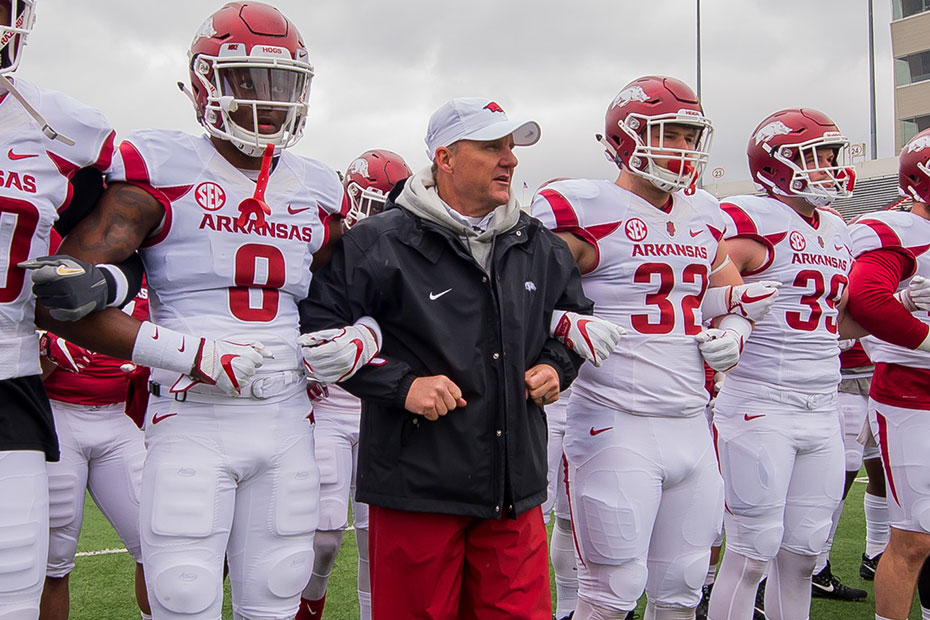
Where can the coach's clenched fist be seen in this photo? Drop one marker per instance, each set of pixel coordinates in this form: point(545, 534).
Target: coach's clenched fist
point(432, 397)
point(542, 384)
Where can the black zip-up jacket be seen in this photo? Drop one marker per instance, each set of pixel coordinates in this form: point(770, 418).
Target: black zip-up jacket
point(441, 314)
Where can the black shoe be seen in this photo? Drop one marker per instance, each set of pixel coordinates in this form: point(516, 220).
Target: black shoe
point(701, 612)
point(868, 566)
point(758, 610)
point(825, 585)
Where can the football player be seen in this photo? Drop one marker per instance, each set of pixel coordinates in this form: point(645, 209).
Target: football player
point(890, 297)
point(778, 436)
point(227, 225)
point(645, 494)
point(102, 452)
point(46, 179)
point(367, 181)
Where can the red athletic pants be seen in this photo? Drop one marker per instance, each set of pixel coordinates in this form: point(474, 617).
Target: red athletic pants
point(436, 566)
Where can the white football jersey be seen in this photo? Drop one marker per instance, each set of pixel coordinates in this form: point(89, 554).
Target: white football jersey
point(651, 274)
point(34, 190)
point(911, 234)
point(796, 345)
point(207, 275)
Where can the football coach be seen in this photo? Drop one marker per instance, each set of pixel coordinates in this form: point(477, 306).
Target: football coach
point(452, 455)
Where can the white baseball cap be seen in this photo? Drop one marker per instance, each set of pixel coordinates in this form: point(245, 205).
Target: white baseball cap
point(475, 118)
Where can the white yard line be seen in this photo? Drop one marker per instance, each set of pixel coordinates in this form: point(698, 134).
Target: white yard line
point(84, 554)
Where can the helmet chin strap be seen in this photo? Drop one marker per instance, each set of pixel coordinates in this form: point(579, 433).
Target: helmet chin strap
point(256, 205)
point(50, 133)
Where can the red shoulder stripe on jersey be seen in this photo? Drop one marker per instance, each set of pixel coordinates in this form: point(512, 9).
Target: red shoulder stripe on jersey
point(746, 229)
point(565, 217)
point(886, 235)
point(105, 157)
point(67, 169)
point(917, 250)
point(883, 446)
point(136, 170)
point(716, 233)
point(600, 231)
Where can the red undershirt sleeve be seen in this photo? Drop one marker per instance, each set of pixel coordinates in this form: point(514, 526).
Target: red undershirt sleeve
point(873, 281)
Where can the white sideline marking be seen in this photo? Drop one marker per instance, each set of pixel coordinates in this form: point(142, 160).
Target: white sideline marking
point(84, 554)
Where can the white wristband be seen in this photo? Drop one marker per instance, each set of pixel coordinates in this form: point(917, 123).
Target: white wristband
point(716, 302)
point(159, 347)
point(371, 324)
point(738, 324)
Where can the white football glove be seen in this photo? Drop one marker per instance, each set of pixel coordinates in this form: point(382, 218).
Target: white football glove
point(333, 355)
point(753, 300)
point(917, 294)
point(590, 337)
point(720, 348)
point(227, 365)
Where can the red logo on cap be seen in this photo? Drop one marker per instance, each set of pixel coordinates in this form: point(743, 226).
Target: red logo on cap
point(494, 107)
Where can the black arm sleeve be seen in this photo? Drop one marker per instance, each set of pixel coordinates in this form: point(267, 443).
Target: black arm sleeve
point(134, 271)
point(86, 189)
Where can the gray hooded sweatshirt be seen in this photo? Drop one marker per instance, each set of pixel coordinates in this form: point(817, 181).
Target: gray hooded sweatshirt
point(421, 198)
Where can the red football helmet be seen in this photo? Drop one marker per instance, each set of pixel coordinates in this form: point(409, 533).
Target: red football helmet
point(914, 168)
point(14, 30)
point(785, 149)
point(248, 55)
point(654, 101)
point(368, 179)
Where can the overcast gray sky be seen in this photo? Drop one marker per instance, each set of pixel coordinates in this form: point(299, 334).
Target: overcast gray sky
point(382, 67)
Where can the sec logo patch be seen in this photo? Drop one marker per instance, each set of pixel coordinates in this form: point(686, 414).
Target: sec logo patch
point(210, 196)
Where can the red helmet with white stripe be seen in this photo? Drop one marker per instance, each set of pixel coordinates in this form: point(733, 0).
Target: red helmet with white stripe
point(368, 179)
point(250, 77)
point(914, 168)
point(654, 102)
point(786, 157)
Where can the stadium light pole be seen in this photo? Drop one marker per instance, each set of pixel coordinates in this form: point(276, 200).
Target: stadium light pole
point(872, 122)
point(698, 39)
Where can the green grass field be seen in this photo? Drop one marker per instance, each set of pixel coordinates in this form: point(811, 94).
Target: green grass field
point(101, 585)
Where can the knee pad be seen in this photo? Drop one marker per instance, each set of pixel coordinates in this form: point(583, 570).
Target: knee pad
point(289, 574)
point(681, 585)
point(587, 610)
point(810, 536)
point(188, 589)
point(615, 586)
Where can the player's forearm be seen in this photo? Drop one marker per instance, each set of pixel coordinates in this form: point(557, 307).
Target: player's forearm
point(111, 331)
